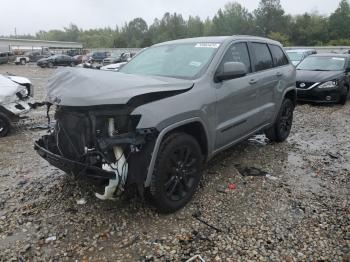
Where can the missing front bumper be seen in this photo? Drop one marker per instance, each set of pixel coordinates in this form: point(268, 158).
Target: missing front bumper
point(67, 165)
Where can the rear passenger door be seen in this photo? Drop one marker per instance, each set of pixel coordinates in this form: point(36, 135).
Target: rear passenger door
point(266, 80)
point(236, 99)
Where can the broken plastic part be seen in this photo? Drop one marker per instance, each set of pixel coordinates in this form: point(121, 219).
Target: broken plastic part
point(120, 168)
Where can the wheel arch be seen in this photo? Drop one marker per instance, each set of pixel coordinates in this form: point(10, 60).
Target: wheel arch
point(292, 95)
point(194, 127)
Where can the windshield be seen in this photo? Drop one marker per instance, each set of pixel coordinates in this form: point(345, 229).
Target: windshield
point(295, 56)
point(322, 63)
point(172, 60)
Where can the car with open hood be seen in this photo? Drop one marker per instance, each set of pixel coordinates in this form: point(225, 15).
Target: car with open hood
point(151, 126)
point(16, 97)
point(324, 78)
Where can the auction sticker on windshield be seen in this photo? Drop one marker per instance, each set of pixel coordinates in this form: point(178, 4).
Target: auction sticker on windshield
point(208, 45)
point(338, 58)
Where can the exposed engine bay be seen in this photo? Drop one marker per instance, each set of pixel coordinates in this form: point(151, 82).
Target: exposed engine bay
point(99, 142)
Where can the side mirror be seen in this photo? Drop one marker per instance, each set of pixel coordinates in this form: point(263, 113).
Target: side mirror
point(231, 70)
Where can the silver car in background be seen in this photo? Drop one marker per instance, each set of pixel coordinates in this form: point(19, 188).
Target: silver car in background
point(298, 55)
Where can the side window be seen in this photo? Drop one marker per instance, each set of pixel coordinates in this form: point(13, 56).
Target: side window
point(263, 59)
point(237, 52)
point(279, 58)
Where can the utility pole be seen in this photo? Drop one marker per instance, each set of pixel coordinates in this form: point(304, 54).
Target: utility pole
point(15, 32)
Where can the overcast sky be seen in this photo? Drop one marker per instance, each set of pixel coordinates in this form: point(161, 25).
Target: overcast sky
point(30, 16)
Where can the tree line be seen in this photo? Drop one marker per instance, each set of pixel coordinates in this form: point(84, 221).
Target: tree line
point(268, 20)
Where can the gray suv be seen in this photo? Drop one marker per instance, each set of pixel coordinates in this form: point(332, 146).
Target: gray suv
point(150, 127)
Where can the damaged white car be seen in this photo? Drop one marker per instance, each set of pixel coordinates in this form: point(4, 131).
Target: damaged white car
point(16, 98)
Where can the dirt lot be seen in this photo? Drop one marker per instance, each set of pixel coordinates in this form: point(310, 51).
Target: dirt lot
point(299, 212)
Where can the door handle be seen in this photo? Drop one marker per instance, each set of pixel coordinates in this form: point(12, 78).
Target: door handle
point(253, 81)
point(279, 74)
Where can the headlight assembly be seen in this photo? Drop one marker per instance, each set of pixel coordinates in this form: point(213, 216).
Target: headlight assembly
point(329, 84)
point(23, 93)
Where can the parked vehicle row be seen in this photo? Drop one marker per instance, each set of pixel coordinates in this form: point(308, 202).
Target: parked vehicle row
point(127, 126)
point(118, 57)
point(32, 56)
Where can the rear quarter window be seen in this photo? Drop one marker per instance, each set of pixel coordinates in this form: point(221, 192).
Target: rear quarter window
point(279, 58)
point(263, 59)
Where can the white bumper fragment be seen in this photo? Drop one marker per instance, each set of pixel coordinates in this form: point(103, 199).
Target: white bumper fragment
point(19, 107)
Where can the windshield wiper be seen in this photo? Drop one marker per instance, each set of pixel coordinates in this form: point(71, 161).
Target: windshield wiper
point(320, 70)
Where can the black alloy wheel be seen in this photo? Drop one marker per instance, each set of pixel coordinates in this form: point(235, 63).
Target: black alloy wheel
point(280, 131)
point(177, 172)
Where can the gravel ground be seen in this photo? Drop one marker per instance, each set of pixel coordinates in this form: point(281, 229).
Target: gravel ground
point(298, 212)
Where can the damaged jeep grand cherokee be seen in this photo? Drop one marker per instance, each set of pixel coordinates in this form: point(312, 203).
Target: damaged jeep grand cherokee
point(152, 125)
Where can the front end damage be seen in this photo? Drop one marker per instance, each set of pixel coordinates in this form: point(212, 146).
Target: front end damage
point(102, 142)
point(16, 100)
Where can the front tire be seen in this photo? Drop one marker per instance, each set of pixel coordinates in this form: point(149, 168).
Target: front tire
point(5, 125)
point(280, 130)
point(50, 65)
point(177, 172)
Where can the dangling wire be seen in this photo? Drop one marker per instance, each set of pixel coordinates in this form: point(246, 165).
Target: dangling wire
point(48, 106)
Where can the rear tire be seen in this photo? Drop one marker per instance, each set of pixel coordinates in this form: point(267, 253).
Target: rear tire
point(177, 172)
point(280, 130)
point(5, 125)
point(23, 61)
point(344, 98)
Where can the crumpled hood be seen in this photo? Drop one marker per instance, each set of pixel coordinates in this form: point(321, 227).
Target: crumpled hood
point(317, 76)
point(20, 80)
point(87, 87)
point(8, 88)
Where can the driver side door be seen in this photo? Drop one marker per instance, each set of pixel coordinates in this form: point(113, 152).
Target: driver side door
point(236, 99)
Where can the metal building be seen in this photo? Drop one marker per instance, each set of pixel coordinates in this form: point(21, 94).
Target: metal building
point(10, 44)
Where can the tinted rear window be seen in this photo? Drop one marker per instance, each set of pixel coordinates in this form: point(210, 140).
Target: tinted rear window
point(263, 59)
point(279, 58)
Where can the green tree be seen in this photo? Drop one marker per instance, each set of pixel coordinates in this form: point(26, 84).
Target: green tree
point(233, 19)
point(195, 27)
point(135, 32)
point(309, 29)
point(339, 21)
point(72, 33)
point(269, 17)
point(282, 38)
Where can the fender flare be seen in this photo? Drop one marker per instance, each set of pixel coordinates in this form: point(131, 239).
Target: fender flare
point(159, 140)
point(291, 88)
